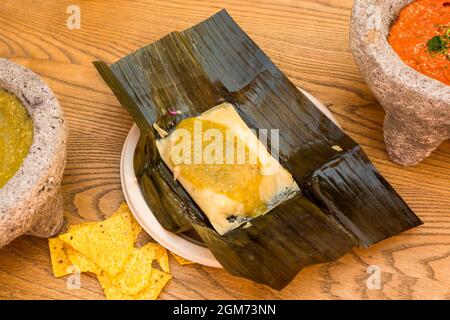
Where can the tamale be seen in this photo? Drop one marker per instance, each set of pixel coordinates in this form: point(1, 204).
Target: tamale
point(343, 201)
point(225, 168)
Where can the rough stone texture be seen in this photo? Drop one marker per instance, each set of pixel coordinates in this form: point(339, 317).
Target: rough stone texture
point(31, 201)
point(417, 107)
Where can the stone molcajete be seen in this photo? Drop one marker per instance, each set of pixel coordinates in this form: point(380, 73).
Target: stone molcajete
point(31, 201)
point(417, 107)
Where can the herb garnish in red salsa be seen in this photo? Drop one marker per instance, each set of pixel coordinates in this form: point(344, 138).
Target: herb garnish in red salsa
point(421, 37)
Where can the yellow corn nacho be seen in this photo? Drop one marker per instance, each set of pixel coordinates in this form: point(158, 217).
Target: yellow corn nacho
point(59, 258)
point(107, 244)
point(82, 262)
point(74, 227)
point(137, 271)
point(125, 211)
point(156, 283)
point(160, 255)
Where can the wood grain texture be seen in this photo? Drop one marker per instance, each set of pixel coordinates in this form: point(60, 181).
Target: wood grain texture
point(308, 40)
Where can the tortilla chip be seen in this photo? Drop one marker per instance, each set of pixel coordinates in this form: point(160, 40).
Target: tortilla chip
point(136, 227)
point(123, 207)
point(83, 263)
point(111, 291)
point(80, 225)
point(158, 280)
point(107, 244)
point(61, 264)
point(181, 260)
point(125, 211)
point(137, 271)
point(160, 255)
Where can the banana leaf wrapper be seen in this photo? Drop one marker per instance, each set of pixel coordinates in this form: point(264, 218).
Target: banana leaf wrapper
point(344, 201)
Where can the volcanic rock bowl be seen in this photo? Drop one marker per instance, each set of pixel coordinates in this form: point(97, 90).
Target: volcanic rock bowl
point(417, 107)
point(31, 201)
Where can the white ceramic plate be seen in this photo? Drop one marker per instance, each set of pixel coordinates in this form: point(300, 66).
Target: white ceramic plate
point(138, 205)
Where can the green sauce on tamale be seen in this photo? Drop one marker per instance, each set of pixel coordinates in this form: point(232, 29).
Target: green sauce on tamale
point(225, 168)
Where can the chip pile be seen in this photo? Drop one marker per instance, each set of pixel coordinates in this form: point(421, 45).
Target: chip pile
point(107, 249)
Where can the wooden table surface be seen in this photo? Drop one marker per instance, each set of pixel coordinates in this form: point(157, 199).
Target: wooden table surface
point(308, 40)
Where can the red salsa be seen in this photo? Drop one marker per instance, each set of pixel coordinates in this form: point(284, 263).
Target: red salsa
point(421, 37)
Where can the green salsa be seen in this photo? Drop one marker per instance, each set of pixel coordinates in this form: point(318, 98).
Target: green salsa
point(16, 135)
